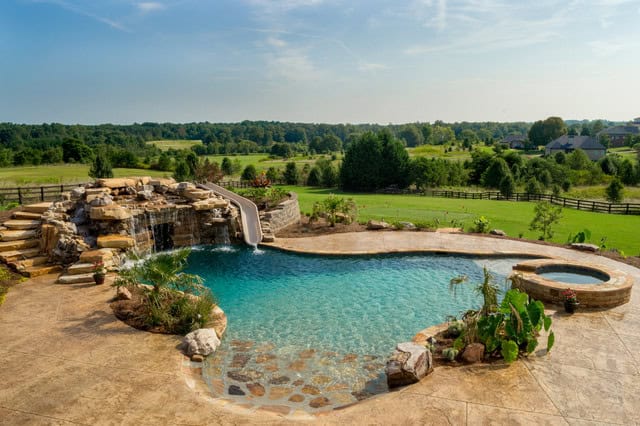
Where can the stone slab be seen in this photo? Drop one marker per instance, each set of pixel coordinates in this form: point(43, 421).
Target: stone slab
point(37, 207)
point(15, 255)
point(26, 216)
point(38, 270)
point(18, 245)
point(104, 255)
point(18, 234)
point(116, 241)
point(75, 279)
point(110, 212)
point(22, 224)
point(80, 268)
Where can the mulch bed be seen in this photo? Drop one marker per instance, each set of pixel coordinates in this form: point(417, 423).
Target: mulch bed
point(132, 312)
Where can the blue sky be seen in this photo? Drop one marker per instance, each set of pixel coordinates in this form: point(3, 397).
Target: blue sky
point(337, 61)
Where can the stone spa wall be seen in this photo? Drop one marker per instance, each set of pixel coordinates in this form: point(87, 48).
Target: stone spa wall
point(285, 214)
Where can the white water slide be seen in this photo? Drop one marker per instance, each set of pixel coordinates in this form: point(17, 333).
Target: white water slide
point(251, 229)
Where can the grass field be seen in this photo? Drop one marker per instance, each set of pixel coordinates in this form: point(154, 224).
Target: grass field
point(597, 192)
point(63, 173)
point(166, 145)
point(621, 231)
point(262, 161)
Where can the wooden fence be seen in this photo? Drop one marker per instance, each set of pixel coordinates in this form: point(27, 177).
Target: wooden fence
point(34, 194)
point(586, 205)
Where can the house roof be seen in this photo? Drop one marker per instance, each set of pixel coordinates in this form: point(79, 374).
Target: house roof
point(621, 130)
point(514, 138)
point(575, 142)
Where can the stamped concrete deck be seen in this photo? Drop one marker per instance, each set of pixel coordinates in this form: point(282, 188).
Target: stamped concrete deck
point(67, 360)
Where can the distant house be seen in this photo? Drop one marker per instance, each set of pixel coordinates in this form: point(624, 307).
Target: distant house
point(568, 144)
point(515, 141)
point(618, 134)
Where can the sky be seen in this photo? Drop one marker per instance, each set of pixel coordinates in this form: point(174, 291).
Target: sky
point(331, 61)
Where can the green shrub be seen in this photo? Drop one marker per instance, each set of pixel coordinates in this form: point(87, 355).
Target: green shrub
point(481, 225)
point(171, 299)
point(3, 293)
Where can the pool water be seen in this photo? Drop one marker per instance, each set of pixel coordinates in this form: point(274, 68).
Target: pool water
point(302, 325)
point(571, 278)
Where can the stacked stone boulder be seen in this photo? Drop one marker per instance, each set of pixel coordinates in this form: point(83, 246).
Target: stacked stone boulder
point(110, 217)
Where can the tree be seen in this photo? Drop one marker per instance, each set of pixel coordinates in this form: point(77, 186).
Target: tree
point(497, 170)
point(290, 174)
point(546, 215)
point(411, 135)
point(578, 160)
point(394, 163)
point(615, 191)
point(208, 171)
point(360, 169)
point(315, 177)
point(182, 173)
point(272, 174)
point(75, 151)
point(226, 166)
point(281, 150)
point(543, 132)
point(533, 186)
point(249, 173)
point(101, 168)
point(507, 186)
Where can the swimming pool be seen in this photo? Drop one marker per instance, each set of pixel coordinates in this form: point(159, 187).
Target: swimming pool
point(325, 321)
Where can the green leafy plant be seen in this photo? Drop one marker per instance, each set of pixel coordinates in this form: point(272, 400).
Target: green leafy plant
point(335, 209)
point(481, 225)
point(545, 216)
point(171, 299)
point(580, 237)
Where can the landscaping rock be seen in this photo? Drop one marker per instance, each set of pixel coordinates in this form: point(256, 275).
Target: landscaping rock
point(473, 353)
point(235, 390)
point(123, 293)
point(197, 358)
point(111, 212)
point(374, 225)
point(409, 363)
point(116, 241)
point(407, 225)
point(498, 232)
point(203, 341)
point(319, 402)
point(116, 182)
point(77, 193)
point(145, 195)
point(585, 247)
point(256, 389)
point(102, 200)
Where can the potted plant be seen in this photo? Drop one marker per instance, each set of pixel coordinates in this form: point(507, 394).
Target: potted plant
point(570, 301)
point(99, 272)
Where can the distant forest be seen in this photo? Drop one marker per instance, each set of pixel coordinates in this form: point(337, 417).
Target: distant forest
point(125, 145)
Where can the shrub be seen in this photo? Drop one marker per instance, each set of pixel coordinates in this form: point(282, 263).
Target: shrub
point(171, 299)
point(335, 209)
point(615, 191)
point(546, 215)
point(481, 225)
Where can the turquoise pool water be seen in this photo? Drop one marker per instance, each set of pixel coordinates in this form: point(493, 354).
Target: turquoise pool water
point(572, 278)
point(314, 332)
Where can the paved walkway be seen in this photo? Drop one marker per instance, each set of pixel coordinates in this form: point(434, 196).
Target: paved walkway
point(67, 360)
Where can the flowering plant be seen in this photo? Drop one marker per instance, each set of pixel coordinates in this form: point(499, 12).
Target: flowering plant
point(569, 295)
point(98, 268)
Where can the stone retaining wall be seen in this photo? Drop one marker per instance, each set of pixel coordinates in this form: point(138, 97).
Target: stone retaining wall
point(285, 214)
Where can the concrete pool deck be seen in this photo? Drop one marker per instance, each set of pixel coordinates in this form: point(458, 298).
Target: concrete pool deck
point(67, 360)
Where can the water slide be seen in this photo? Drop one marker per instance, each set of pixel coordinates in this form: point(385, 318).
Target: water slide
point(249, 216)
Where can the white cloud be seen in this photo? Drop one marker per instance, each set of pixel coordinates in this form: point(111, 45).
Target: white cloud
point(150, 6)
point(369, 66)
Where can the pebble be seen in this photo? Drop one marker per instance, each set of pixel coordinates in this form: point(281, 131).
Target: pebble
point(279, 380)
point(235, 390)
point(319, 402)
point(310, 390)
point(256, 389)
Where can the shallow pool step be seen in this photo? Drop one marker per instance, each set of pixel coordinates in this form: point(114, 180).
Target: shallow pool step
point(37, 207)
point(75, 279)
point(16, 255)
point(18, 245)
point(17, 234)
point(26, 216)
point(22, 224)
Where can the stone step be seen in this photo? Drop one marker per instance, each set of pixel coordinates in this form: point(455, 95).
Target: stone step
point(22, 224)
point(37, 208)
point(75, 279)
point(18, 245)
point(101, 255)
point(26, 216)
point(36, 271)
point(80, 269)
point(116, 241)
point(18, 234)
point(16, 255)
point(26, 263)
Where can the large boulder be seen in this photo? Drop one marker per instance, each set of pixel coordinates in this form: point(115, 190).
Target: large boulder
point(203, 341)
point(375, 225)
point(473, 353)
point(111, 212)
point(116, 241)
point(114, 183)
point(585, 247)
point(498, 232)
point(409, 363)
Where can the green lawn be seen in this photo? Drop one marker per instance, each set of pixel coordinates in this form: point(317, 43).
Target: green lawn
point(166, 145)
point(262, 161)
point(621, 231)
point(62, 173)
